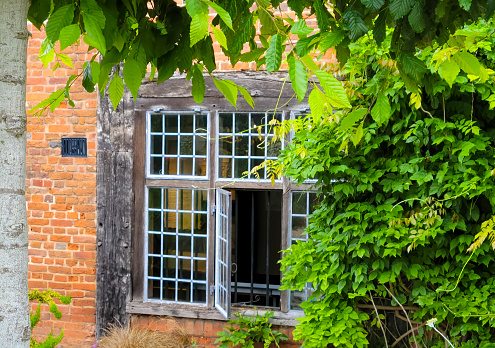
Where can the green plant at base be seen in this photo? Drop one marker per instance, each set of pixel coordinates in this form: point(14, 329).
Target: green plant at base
point(46, 297)
point(251, 329)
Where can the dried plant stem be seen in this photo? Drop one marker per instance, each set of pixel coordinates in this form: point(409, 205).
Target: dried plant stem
point(379, 321)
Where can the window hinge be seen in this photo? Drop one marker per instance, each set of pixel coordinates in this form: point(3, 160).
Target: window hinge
point(212, 289)
point(196, 109)
point(213, 209)
point(305, 109)
point(158, 109)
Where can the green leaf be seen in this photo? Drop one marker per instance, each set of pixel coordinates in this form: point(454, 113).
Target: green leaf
point(416, 19)
point(252, 55)
point(87, 81)
point(333, 89)
point(351, 118)
point(373, 5)
point(94, 32)
point(309, 63)
point(465, 4)
point(410, 83)
point(65, 59)
point(449, 70)
point(246, 95)
point(317, 102)
point(198, 84)
point(490, 9)
point(220, 37)
point(381, 111)
point(356, 138)
point(116, 90)
point(58, 20)
point(47, 53)
point(56, 98)
point(300, 28)
point(380, 29)
point(195, 7)
point(399, 8)
point(69, 35)
point(228, 89)
point(412, 65)
point(297, 6)
point(321, 14)
point(355, 22)
point(341, 285)
point(468, 63)
point(224, 15)
point(91, 7)
point(199, 28)
point(274, 53)
point(298, 76)
point(132, 76)
point(331, 39)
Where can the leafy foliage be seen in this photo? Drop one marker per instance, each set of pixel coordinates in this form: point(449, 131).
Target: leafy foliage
point(250, 330)
point(407, 199)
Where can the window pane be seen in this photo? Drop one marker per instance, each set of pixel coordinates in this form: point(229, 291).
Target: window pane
point(169, 267)
point(299, 203)
point(186, 166)
point(200, 223)
point(257, 146)
point(169, 199)
point(200, 166)
point(171, 122)
point(186, 123)
point(183, 292)
point(169, 221)
point(273, 149)
point(156, 165)
point(154, 243)
point(169, 247)
point(154, 221)
point(185, 222)
point(156, 123)
point(200, 145)
point(154, 266)
point(199, 247)
point(298, 227)
point(156, 147)
point(240, 166)
point(241, 146)
point(185, 199)
point(201, 123)
point(257, 120)
point(169, 290)
point(199, 293)
point(224, 168)
point(171, 144)
point(184, 269)
point(186, 145)
point(170, 164)
point(201, 200)
point(155, 197)
point(225, 122)
point(241, 122)
point(184, 245)
point(154, 289)
point(225, 146)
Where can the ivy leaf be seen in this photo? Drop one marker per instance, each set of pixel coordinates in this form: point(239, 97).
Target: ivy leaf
point(116, 90)
point(69, 35)
point(357, 136)
point(351, 118)
point(399, 8)
point(132, 76)
point(380, 29)
point(416, 19)
point(331, 39)
point(465, 4)
point(58, 20)
point(300, 28)
point(381, 111)
point(333, 89)
point(449, 70)
point(246, 95)
point(198, 84)
point(468, 63)
point(274, 53)
point(199, 28)
point(373, 5)
point(220, 37)
point(298, 76)
point(224, 15)
point(355, 23)
point(228, 89)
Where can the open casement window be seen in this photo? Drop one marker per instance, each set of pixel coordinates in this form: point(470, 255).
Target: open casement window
point(223, 264)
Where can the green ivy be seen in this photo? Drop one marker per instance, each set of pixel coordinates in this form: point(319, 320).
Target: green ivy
point(406, 181)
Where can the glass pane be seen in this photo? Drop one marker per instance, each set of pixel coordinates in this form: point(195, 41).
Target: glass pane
point(169, 221)
point(170, 166)
point(200, 166)
point(261, 172)
point(224, 168)
point(241, 166)
point(156, 145)
point(225, 146)
point(156, 123)
point(241, 122)
point(156, 165)
point(201, 123)
point(299, 203)
point(169, 290)
point(169, 199)
point(186, 123)
point(258, 119)
point(169, 267)
point(154, 243)
point(257, 146)
point(184, 245)
point(154, 221)
point(201, 200)
point(171, 144)
point(186, 145)
point(270, 117)
point(225, 123)
point(241, 146)
point(298, 227)
point(200, 223)
point(184, 271)
point(199, 271)
point(154, 198)
point(183, 292)
point(273, 149)
point(199, 247)
point(185, 222)
point(313, 201)
point(186, 166)
point(154, 266)
point(199, 293)
point(185, 200)
point(154, 289)
point(171, 124)
point(200, 145)
point(169, 244)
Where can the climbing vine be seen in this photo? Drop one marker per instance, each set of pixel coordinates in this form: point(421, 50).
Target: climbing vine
point(407, 199)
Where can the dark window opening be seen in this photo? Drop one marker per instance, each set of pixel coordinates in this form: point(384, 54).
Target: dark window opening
point(256, 244)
